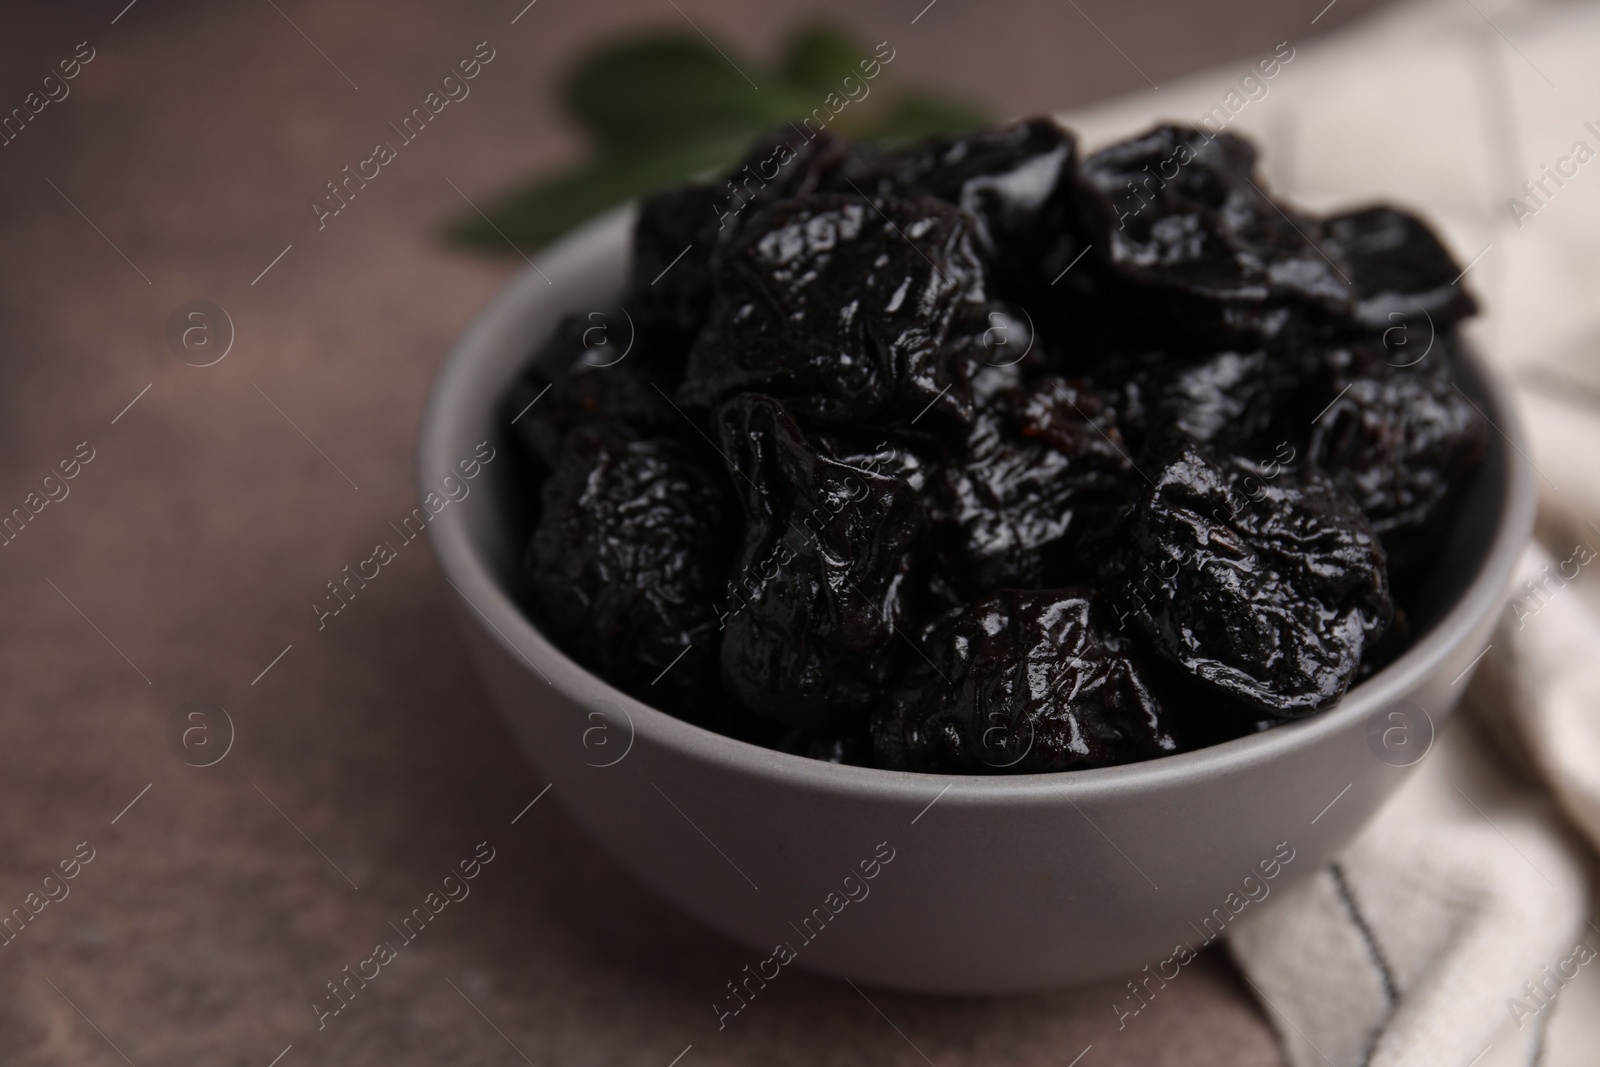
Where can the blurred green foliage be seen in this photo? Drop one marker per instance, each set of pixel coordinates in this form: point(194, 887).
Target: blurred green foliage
point(663, 108)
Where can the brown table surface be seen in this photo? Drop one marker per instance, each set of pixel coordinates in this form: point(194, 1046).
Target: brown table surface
point(189, 550)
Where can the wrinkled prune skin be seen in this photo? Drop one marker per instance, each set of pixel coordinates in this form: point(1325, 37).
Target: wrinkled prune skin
point(673, 243)
point(585, 373)
point(1266, 590)
point(970, 456)
point(895, 458)
point(1038, 461)
point(679, 230)
point(1008, 353)
point(1400, 270)
point(1021, 682)
point(781, 165)
point(627, 560)
point(846, 310)
point(1251, 403)
point(1020, 183)
point(1224, 399)
point(825, 573)
point(1132, 385)
point(1397, 439)
point(1017, 181)
point(1183, 225)
point(1395, 640)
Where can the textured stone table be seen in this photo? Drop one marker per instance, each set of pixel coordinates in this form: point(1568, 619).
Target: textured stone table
point(184, 557)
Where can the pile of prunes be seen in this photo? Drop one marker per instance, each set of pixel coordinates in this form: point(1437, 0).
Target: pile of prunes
point(974, 456)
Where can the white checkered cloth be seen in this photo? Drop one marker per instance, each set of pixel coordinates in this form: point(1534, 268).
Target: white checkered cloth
point(1459, 927)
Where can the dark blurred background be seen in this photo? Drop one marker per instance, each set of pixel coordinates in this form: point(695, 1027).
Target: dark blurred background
point(189, 550)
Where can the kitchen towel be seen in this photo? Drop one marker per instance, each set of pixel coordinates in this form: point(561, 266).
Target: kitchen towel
point(1459, 928)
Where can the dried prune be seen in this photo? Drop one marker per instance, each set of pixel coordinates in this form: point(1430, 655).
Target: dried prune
point(780, 165)
point(824, 575)
point(627, 560)
point(673, 243)
point(679, 229)
point(1017, 181)
point(1009, 352)
point(1264, 589)
point(1252, 403)
point(969, 456)
point(1131, 386)
point(1399, 270)
point(847, 310)
point(1037, 460)
point(1398, 439)
point(592, 369)
point(1179, 215)
point(1022, 682)
point(1227, 396)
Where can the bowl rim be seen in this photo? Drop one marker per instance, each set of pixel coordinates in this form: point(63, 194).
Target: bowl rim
point(474, 582)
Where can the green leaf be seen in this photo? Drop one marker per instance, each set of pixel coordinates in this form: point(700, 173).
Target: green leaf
point(549, 207)
point(664, 108)
point(820, 57)
point(668, 90)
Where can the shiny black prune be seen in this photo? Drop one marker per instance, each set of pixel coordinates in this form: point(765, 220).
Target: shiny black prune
point(1227, 396)
point(1027, 463)
point(673, 244)
point(679, 230)
point(824, 575)
point(1265, 585)
point(1017, 181)
point(1256, 402)
point(1248, 402)
point(1131, 385)
point(1398, 437)
point(590, 370)
point(1252, 403)
point(780, 165)
point(847, 310)
point(628, 558)
point(1400, 271)
point(1021, 682)
point(1180, 219)
point(1038, 461)
point(1008, 352)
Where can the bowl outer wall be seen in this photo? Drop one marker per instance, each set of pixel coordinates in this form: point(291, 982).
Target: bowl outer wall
point(1005, 883)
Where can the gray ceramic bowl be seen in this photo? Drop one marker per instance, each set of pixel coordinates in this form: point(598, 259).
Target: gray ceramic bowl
point(993, 884)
